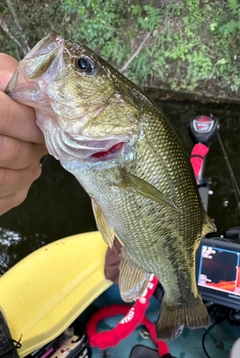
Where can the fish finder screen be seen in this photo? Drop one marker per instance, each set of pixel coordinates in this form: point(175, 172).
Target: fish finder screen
point(219, 269)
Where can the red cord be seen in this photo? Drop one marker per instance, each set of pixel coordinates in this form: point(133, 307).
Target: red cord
point(133, 316)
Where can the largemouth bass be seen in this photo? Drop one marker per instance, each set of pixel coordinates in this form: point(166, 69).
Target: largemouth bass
point(124, 152)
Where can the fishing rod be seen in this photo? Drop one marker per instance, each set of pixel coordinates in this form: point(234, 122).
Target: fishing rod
point(231, 173)
point(202, 130)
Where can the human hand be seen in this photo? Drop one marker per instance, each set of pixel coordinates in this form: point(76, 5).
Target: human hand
point(21, 143)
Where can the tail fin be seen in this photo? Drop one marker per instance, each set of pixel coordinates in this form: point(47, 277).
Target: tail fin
point(173, 319)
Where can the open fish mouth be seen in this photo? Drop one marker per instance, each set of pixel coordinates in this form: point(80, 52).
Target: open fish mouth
point(44, 57)
point(36, 70)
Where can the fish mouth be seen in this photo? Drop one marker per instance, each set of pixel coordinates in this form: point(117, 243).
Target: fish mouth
point(41, 61)
point(42, 56)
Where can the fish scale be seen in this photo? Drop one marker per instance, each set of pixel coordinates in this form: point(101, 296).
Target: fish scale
point(124, 152)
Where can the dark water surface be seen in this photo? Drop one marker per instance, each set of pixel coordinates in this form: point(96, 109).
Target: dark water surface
point(57, 206)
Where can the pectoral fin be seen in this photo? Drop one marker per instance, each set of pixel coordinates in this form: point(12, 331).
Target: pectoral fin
point(106, 231)
point(141, 187)
point(133, 280)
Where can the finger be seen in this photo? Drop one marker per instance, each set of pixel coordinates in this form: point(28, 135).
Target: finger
point(18, 120)
point(12, 200)
point(8, 65)
point(12, 181)
point(15, 154)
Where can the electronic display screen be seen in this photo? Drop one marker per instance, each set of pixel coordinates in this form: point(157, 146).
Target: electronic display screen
point(219, 269)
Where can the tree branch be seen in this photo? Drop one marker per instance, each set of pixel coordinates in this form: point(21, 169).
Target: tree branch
point(140, 47)
point(6, 30)
point(11, 8)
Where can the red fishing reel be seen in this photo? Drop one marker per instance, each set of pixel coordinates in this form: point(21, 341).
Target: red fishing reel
point(203, 129)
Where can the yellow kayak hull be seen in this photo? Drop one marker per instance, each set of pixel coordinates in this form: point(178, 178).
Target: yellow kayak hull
point(45, 292)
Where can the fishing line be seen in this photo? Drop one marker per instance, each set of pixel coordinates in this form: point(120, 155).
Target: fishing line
point(232, 176)
point(204, 337)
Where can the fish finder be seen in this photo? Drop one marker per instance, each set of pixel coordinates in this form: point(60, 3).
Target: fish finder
point(218, 271)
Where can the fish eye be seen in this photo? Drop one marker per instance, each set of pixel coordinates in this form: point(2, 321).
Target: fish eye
point(85, 65)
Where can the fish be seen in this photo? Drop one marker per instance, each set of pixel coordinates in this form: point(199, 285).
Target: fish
point(125, 153)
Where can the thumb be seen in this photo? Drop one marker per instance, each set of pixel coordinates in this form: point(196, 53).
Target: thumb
point(8, 65)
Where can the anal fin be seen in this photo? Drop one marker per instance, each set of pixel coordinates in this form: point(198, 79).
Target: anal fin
point(133, 280)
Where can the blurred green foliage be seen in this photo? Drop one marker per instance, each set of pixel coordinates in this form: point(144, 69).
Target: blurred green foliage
point(193, 44)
